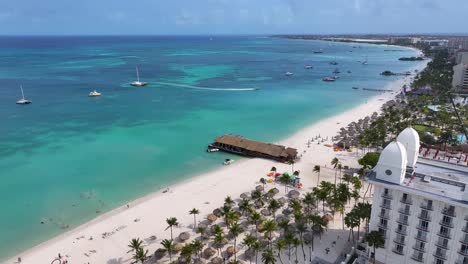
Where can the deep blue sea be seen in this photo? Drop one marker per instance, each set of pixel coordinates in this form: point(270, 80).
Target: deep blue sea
point(66, 155)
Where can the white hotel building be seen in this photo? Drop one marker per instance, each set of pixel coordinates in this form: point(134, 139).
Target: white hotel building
point(420, 205)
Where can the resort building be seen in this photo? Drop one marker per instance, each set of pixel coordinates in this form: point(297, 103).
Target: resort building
point(461, 57)
point(460, 78)
point(420, 206)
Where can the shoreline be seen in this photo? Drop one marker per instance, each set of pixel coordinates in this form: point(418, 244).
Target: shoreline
point(199, 186)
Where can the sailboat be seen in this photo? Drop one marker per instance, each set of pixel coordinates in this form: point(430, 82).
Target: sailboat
point(137, 82)
point(364, 62)
point(22, 100)
point(94, 94)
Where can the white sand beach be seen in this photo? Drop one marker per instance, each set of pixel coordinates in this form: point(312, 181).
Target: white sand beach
point(146, 217)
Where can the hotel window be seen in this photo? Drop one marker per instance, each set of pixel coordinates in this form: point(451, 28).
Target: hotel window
point(383, 232)
point(464, 249)
point(442, 242)
point(418, 255)
point(444, 231)
point(424, 225)
point(439, 261)
point(420, 245)
point(399, 248)
point(383, 222)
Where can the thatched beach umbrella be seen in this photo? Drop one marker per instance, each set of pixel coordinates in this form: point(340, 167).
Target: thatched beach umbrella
point(199, 261)
point(178, 247)
point(160, 253)
point(259, 188)
point(307, 238)
point(265, 212)
point(328, 217)
point(249, 253)
point(209, 252)
point(293, 194)
point(287, 211)
point(184, 236)
point(217, 212)
point(282, 201)
point(212, 218)
point(230, 251)
point(182, 260)
point(245, 195)
point(217, 260)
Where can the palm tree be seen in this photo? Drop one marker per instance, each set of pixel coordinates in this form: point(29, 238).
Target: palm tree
point(263, 181)
point(256, 219)
point(280, 246)
point(289, 239)
point(296, 242)
point(301, 228)
point(273, 169)
point(284, 225)
point(269, 226)
point(268, 256)
point(374, 239)
point(335, 161)
point(248, 241)
point(256, 246)
point(285, 179)
point(225, 210)
point(318, 226)
point(339, 167)
point(317, 170)
point(187, 252)
point(231, 218)
point(197, 247)
point(347, 178)
point(218, 241)
point(171, 222)
point(228, 201)
point(135, 244)
point(245, 206)
point(364, 212)
point(309, 201)
point(235, 230)
point(274, 206)
point(351, 220)
point(202, 231)
point(194, 212)
point(169, 246)
point(140, 255)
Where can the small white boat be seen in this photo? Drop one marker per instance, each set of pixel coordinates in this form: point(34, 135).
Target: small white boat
point(137, 82)
point(289, 74)
point(228, 161)
point(365, 62)
point(308, 67)
point(94, 94)
point(212, 150)
point(23, 100)
point(329, 79)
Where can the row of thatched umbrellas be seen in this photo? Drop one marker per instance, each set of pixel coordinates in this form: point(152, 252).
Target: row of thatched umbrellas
point(210, 252)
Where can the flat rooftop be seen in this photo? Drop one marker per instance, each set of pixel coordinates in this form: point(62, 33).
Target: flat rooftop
point(434, 178)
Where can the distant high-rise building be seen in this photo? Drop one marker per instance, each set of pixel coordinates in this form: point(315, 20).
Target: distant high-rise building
point(420, 206)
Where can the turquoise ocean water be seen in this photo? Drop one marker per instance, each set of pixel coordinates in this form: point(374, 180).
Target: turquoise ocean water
point(66, 155)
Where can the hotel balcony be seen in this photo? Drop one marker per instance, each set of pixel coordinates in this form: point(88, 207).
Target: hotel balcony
point(402, 231)
point(386, 205)
point(417, 258)
point(406, 201)
point(382, 226)
point(423, 228)
point(404, 211)
point(465, 229)
point(441, 255)
point(426, 206)
point(424, 216)
point(446, 223)
point(396, 251)
point(386, 215)
point(422, 237)
point(419, 248)
point(448, 212)
point(446, 235)
point(402, 221)
point(387, 195)
point(463, 252)
point(464, 240)
point(399, 241)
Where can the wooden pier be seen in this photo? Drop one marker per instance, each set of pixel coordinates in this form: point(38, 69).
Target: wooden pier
point(246, 147)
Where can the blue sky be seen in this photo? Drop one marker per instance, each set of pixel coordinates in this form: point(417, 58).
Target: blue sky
point(232, 16)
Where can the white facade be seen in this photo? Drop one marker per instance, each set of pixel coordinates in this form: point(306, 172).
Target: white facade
point(461, 57)
point(460, 78)
point(424, 214)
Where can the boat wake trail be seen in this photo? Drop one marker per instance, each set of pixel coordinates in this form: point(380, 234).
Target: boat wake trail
point(206, 88)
